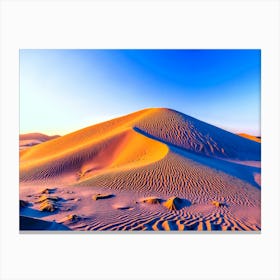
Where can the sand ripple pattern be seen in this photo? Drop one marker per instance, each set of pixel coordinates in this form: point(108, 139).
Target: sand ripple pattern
point(181, 177)
point(182, 220)
point(194, 135)
point(155, 152)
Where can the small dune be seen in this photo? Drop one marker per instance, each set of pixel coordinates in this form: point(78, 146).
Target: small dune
point(173, 203)
point(152, 200)
point(70, 218)
point(44, 197)
point(122, 207)
point(217, 203)
point(102, 196)
point(48, 191)
point(48, 203)
point(48, 206)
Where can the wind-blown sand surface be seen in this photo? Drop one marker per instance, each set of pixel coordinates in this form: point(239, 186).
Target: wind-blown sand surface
point(156, 169)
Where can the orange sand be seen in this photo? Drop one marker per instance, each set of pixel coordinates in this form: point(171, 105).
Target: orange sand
point(250, 137)
point(151, 153)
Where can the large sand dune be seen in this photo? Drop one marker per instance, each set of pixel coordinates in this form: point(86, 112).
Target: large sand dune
point(204, 178)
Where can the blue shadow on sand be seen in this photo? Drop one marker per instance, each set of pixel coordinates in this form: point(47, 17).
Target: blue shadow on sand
point(238, 170)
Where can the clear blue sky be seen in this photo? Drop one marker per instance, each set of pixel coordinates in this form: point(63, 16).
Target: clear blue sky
point(65, 90)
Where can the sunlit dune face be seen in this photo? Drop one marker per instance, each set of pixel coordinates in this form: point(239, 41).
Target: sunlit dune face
point(83, 137)
point(250, 137)
point(88, 152)
point(155, 169)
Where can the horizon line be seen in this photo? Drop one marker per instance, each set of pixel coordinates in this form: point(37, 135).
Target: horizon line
point(106, 119)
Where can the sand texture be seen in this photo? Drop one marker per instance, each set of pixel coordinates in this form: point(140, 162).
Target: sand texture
point(155, 169)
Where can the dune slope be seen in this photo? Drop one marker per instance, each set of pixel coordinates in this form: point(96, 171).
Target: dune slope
point(194, 135)
point(109, 141)
point(32, 139)
point(250, 137)
point(153, 153)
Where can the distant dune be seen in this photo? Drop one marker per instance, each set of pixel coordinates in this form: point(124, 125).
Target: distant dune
point(250, 137)
point(198, 172)
point(31, 139)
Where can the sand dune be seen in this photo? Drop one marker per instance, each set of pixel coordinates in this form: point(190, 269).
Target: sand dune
point(152, 200)
point(196, 136)
point(175, 164)
point(250, 137)
point(95, 156)
point(38, 136)
point(31, 139)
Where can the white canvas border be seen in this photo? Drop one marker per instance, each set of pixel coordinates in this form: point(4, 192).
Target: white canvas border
point(140, 24)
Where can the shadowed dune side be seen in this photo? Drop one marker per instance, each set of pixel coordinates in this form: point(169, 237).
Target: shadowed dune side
point(156, 169)
point(165, 125)
point(179, 164)
point(176, 203)
point(131, 141)
point(28, 223)
point(170, 126)
point(244, 172)
point(152, 200)
point(182, 177)
point(196, 184)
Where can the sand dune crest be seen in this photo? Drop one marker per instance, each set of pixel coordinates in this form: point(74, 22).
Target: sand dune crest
point(181, 170)
point(152, 200)
point(102, 196)
point(173, 203)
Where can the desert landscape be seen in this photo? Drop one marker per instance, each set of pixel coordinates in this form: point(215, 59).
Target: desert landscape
point(152, 170)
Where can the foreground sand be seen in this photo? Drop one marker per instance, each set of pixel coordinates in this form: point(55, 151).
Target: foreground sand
point(156, 169)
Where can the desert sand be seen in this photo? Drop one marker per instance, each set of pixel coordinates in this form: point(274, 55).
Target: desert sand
point(31, 139)
point(155, 169)
point(251, 137)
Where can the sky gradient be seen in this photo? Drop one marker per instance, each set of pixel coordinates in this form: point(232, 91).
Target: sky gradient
point(65, 90)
